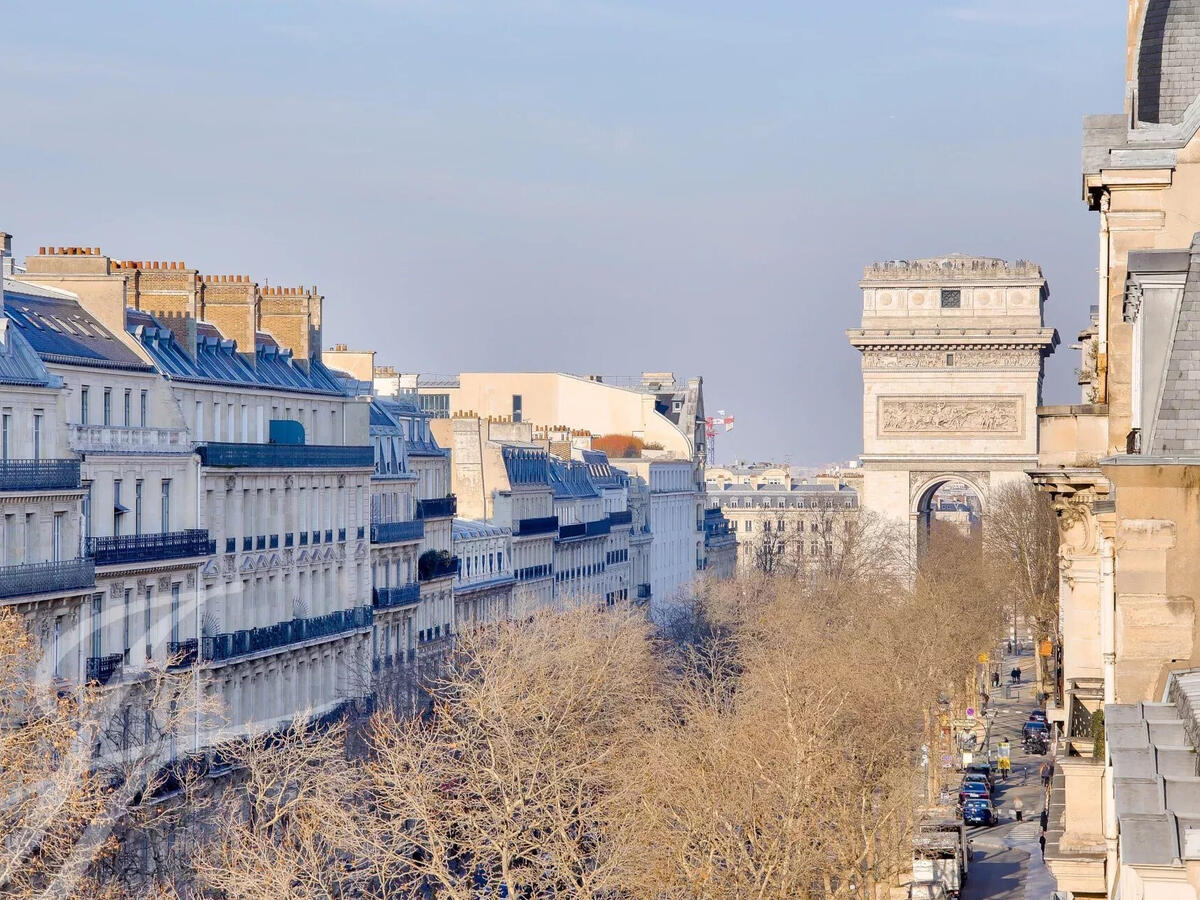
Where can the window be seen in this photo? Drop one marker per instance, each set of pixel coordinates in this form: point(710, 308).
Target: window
point(949, 359)
point(59, 519)
point(118, 509)
point(749, 525)
point(166, 504)
point(108, 406)
point(137, 507)
point(951, 298)
point(516, 407)
point(175, 612)
point(58, 622)
point(127, 625)
point(146, 621)
point(87, 511)
point(5, 434)
point(83, 405)
point(128, 408)
point(37, 435)
point(144, 418)
point(97, 632)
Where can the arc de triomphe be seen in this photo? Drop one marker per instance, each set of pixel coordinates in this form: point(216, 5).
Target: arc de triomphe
point(952, 356)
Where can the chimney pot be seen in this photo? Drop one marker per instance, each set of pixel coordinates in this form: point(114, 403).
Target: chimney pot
point(97, 250)
point(41, 251)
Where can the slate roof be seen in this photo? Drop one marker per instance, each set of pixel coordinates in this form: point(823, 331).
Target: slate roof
point(1156, 779)
point(19, 364)
point(406, 408)
point(465, 529)
point(60, 330)
point(1168, 75)
point(1177, 425)
point(217, 359)
point(526, 463)
point(570, 480)
point(602, 472)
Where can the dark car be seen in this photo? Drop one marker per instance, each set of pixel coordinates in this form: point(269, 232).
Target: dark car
point(1038, 715)
point(976, 777)
point(979, 811)
point(984, 769)
point(1034, 728)
point(973, 790)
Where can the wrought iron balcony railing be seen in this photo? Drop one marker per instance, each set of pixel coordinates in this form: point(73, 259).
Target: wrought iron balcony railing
point(231, 644)
point(438, 507)
point(430, 569)
point(102, 668)
point(182, 654)
point(285, 456)
point(394, 532)
point(29, 579)
point(540, 525)
point(135, 548)
point(39, 475)
point(128, 439)
point(643, 591)
point(622, 517)
point(391, 597)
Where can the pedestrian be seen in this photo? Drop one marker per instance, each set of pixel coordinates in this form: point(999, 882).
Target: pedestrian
point(1016, 674)
point(1018, 809)
point(1005, 766)
point(1044, 771)
point(1042, 843)
point(996, 679)
point(1008, 647)
point(985, 698)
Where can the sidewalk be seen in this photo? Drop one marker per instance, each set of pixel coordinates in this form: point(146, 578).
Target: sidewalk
point(1007, 862)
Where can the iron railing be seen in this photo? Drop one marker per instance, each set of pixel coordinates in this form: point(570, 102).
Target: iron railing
point(530, 572)
point(285, 456)
point(135, 548)
point(622, 517)
point(541, 525)
point(390, 597)
point(393, 532)
point(39, 475)
point(643, 591)
point(28, 579)
point(231, 644)
point(182, 654)
point(428, 570)
point(102, 668)
point(438, 507)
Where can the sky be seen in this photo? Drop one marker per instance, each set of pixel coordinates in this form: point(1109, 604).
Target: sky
point(591, 186)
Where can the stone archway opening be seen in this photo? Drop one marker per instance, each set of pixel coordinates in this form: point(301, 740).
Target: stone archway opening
point(948, 509)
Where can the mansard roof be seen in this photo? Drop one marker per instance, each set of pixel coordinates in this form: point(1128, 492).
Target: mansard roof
point(1168, 77)
point(570, 480)
point(602, 472)
point(465, 529)
point(19, 363)
point(526, 463)
point(218, 361)
point(60, 330)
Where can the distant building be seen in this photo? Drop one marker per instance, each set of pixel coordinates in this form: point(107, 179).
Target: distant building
point(483, 589)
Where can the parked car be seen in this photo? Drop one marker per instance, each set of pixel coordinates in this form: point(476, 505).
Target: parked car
point(977, 777)
point(984, 769)
point(1038, 715)
point(973, 790)
point(978, 811)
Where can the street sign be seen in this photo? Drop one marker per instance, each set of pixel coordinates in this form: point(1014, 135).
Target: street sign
point(1004, 750)
point(970, 712)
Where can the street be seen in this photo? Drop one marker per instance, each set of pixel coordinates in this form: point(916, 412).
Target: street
point(1007, 862)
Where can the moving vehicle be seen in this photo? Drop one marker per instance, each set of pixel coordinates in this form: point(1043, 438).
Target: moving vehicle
point(1034, 726)
point(1036, 743)
point(978, 811)
point(1038, 715)
point(940, 858)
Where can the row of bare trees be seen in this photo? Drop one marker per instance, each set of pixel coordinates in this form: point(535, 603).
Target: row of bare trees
point(765, 744)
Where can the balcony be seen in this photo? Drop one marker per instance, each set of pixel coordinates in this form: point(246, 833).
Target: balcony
point(584, 530)
point(285, 456)
point(437, 508)
point(127, 439)
point(394, 532)
point(182, 654)
point(138, 548)
point(623, 517)
point(643, 591)
point(391, 597)
point(433, 565)
point(232, 644)
point(101, 669)
point(39, 475)
point(1072, 437)
point(30, 579)
point(542, 525)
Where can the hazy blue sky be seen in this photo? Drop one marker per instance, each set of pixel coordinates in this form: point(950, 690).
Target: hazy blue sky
point(593, 186)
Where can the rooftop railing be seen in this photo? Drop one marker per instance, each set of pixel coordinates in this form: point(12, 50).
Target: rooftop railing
point(394, 532)
point(135, 548)
point(39, 475)
point(285, 456)
point(391, 597)
point(29, 579)
point(128, 439)
point(622, 517)
point(540, 525)
point(232, 644)
point(437, 507)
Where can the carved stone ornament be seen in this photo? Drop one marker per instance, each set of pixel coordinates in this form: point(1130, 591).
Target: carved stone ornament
point(141, 585)
point(1078, 532)
point(190, 581)
point(227, 564)
point(950, 417)
point(230, 482)
point(961, 359)
point(164, 583)
point(289, 557)
point(341, 481)
point(288, 481)
point(1132, 306)
point(116, 589)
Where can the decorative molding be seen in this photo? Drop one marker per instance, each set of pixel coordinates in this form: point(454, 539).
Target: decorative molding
point(230, 482)
point(967, 358)
point(190, 581)
point(116, 589)
point(164, 583)
point(1132, 306)
point(288, 481)
point(341, 481)
point(951, 417)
